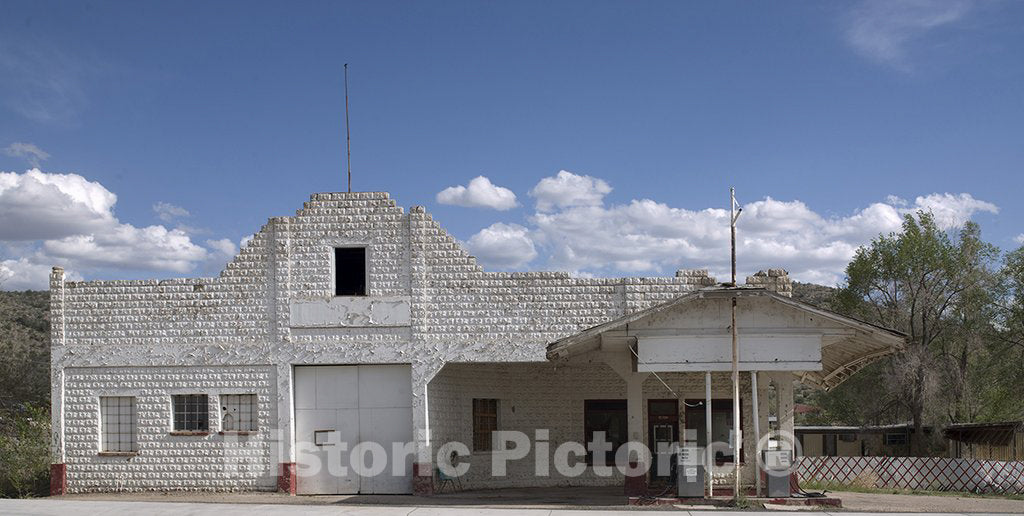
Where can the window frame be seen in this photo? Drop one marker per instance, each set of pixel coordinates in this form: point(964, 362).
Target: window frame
point(175, 430)
point(479, 443)
point(366, 269)
point(104, 442)
point(904, 438)
point(225, 403)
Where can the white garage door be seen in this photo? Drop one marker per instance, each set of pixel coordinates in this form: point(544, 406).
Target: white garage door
point(338, 407)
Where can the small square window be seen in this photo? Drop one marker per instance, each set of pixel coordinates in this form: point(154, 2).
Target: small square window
point(238, 412)
point(895, 439)
point(350, 271)
point(191, 413)
point(117, 419)
point(485, 421)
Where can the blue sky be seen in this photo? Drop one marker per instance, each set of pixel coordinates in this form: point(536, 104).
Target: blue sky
point(205, 118)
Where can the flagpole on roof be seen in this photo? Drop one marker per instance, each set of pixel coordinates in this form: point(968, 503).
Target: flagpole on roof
point(348, 135)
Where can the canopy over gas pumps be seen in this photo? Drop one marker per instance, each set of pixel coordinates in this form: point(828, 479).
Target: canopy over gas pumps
point(776, 333)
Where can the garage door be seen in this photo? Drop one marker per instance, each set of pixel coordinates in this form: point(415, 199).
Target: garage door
point(337, 407)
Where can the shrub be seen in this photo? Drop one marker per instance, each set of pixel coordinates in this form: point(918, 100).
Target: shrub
point(25, 451)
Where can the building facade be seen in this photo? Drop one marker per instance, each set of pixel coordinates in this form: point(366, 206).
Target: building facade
point(357, 322)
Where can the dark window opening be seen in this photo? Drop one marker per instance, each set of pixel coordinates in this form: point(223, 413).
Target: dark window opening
point(485, 421)
point(191, 413)
point(350, 271)
point(721, 426)
point(608, 416)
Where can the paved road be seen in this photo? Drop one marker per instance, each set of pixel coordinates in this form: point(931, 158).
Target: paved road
point(43, 506)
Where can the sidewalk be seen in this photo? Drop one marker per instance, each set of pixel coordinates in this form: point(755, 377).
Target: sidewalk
point(50, 506)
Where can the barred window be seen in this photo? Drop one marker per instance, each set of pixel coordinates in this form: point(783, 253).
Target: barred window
point(485, 421)
point(117, 417)
point(191, 413)
point(238, 412)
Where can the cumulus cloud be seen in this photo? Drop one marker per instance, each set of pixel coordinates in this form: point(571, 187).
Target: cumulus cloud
point(479, 193)
point(37, 205)
point(23, 274)
point(566, 190)
point(586, 236)
point(884, 30)
point(150, 248)
point(167, 212)
point(68, 220)
point(505, 246)
point(1019, 238)
point(27, 151)
point(223, 246)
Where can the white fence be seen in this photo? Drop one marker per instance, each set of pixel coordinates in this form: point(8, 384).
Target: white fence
point(918, 473)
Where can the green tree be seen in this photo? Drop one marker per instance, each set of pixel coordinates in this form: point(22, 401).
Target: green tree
point(936, 289)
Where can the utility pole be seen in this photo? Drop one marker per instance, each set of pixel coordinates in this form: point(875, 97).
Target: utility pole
point(348, 135)
point(737, 437)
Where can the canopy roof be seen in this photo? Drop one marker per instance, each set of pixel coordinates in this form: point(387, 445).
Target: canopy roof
point(847, 344)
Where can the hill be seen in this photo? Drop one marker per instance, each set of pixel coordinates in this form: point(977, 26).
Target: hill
point(24, 348)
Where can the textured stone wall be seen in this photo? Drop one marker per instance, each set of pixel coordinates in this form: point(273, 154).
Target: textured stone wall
point(545, 396)
point(165, 461)
point(242, 318)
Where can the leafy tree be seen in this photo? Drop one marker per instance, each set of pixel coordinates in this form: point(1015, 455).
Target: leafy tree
point(937, 290)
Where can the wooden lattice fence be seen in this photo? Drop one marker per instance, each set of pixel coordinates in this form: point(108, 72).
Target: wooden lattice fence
point(915, 473)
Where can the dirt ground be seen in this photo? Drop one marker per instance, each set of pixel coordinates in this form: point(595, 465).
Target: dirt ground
point(878, 502)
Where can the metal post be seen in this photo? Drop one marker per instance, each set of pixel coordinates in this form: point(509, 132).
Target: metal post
point(348, 135)
point(757, 431)
point(708, 458)
point(737, 438)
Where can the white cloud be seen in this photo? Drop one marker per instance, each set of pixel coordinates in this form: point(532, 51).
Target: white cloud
point(505, 246)
point(223, 246)
point(37, 205)
point(566, 190)
point(29, 152)
point(885, 30)
point(586, 236)
point(167, 212)
point(126, 246)
point(952, 211)
point(65, 219)
point(1019, 238)
point(23, 274)
point(480, 193)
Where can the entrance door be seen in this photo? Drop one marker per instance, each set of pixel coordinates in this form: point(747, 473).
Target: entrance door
point(338, 407)
point(663, 433)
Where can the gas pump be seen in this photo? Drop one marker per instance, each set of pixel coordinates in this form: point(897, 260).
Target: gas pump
point(690, 472)
point(777, 468)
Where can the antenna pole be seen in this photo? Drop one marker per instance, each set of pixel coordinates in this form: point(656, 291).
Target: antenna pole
point(737, 436)
point(348, 143)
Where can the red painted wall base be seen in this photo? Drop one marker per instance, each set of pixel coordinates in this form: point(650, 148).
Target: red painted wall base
point(422, 479)
point(286, 478)
point(58, 479)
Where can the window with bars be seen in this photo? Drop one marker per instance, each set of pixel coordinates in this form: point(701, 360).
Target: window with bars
point(117, 417)
point(485, 421)
point(191, 413)
point(238, 412)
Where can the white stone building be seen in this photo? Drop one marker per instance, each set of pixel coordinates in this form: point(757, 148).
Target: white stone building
point(355, 321)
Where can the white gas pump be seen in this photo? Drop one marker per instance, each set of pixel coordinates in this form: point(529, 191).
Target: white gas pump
point(690, 472)
point(777, 465)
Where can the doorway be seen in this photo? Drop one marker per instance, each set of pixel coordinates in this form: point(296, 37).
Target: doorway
point(663, 434)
